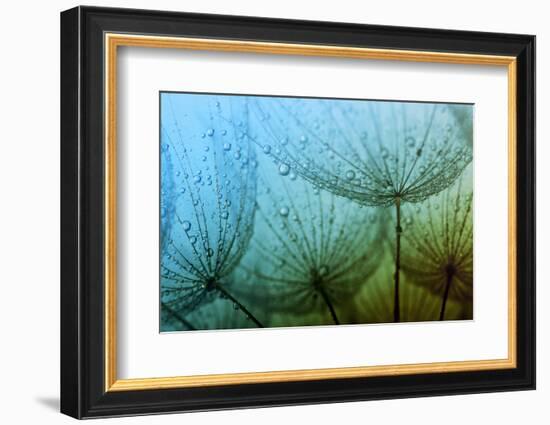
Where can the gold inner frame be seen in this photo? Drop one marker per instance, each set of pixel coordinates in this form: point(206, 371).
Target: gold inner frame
point(113, 41)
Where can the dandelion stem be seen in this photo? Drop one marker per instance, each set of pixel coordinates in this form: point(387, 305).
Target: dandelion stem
point(329, 305)
point(450, 274)
point(398, 230)
point(239, 305)
point(178, 317)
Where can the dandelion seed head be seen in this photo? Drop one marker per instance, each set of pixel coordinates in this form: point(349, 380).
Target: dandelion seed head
point(314, 248)
point(440, 244)
point(376, 138)
point(214, 197)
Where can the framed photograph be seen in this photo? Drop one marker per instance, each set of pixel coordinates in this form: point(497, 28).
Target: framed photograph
point(261, 212)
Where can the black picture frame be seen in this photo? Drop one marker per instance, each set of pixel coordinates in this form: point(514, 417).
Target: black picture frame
point(83, 392)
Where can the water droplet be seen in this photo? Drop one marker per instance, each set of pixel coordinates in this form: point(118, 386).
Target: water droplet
point(224, 132)
point(323, 270)
point(210, 252)
point(408, 221)
point(284, 211)
point(267, 149)
point(193, 240)
point(197, 179)
point(292, 175)
point(224, 215)
point(226, 146)
point(303, 139)
point(350, 174)
point(186, 225)
point(284, 170)
point(237, 155)
point(210, 132)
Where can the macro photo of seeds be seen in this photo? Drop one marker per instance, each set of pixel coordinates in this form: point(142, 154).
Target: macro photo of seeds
point(291, 211)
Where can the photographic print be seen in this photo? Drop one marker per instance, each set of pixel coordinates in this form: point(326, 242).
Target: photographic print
point(294, 211)
point(315, 225)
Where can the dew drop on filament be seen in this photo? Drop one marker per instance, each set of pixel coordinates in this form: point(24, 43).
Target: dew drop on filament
point(350, 174)
point(284, 170)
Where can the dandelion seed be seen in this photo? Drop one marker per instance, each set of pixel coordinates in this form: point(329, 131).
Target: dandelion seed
point(320, 258)
point(196, 269)
point(442, 260)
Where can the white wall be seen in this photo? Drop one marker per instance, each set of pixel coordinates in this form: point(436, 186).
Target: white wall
point(29, 225)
